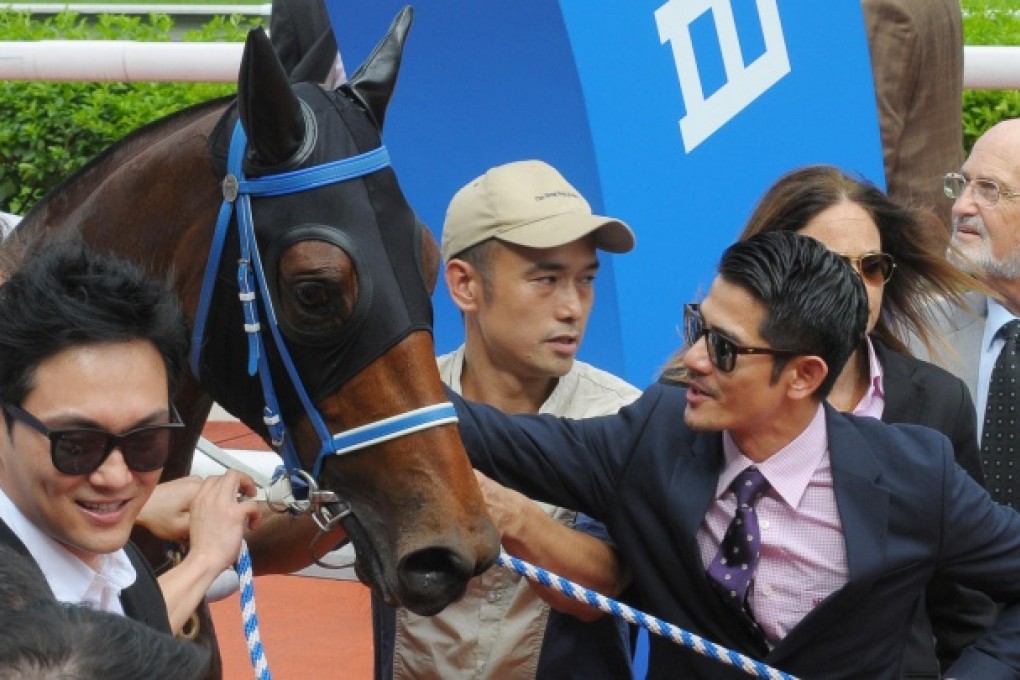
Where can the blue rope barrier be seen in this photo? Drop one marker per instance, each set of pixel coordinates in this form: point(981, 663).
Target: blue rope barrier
point(249, 616)
point(650, 623)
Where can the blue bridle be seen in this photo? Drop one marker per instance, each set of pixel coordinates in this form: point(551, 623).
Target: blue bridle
point(252, 284)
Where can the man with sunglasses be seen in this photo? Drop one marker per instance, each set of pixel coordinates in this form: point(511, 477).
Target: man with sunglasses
point(90, 350)
point(986, 238)
point(751, 512)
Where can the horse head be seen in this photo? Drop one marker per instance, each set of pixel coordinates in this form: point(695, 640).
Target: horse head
point(337, 277)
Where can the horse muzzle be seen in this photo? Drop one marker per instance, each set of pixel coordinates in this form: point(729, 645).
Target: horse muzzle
point(426, 579)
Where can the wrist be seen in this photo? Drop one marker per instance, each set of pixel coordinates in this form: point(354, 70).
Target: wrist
point(518, 523)
point(203, 567)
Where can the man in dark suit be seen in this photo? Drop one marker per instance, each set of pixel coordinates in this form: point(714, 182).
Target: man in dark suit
point(89, 353)
point(819, 570)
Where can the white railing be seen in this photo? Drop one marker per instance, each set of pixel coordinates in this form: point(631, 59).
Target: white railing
point(991, 67)
point(985, 68)
point(104, 8)
point(120, 61)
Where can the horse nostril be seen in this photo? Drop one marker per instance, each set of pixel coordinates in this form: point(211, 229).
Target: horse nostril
point(432, 578)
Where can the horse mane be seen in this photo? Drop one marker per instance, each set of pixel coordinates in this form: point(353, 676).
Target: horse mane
point(127, 145)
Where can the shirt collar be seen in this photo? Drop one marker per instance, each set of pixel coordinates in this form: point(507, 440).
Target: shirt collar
point(998, 316)
point(788, 470)
point(873, 402)
point(70, 579)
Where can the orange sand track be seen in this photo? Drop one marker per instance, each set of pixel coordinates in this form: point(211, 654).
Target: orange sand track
point(311, 627)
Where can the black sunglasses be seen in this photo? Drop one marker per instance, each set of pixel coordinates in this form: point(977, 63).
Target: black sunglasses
point(875, 268)
point(721, 350)
point(80, 451)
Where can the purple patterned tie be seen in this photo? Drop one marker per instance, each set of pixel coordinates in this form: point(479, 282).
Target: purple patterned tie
point(1000, 449)
point(733, 567)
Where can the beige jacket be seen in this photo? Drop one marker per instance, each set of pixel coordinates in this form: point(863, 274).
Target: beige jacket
point(495, 631)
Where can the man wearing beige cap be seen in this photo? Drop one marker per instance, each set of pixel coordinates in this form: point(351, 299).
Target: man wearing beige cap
point(520, 247)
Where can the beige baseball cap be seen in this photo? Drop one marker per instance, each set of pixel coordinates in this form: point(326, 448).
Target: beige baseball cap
point(527, 203)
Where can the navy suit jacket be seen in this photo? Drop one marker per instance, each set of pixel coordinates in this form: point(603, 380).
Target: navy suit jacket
point(922, 393)
point(950, 617)
point(143, 601)
point(908, 513)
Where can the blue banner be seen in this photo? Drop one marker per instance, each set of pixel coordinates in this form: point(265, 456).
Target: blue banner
point(673, 115)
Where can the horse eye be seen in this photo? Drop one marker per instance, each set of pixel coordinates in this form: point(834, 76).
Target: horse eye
point(312, 295)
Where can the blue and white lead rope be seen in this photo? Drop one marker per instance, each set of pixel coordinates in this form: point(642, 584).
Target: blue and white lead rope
point(546, 578)
point(249, 616)
point(657, 626)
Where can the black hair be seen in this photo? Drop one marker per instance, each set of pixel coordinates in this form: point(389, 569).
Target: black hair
point(55, 641)
point(479, 256)
point(814, 301)
point(65, 295)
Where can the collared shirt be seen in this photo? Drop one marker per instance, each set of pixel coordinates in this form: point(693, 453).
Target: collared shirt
point(497, 630)
point(803, 552)
point(70, 579)
point(872, 404)
point(991, 345)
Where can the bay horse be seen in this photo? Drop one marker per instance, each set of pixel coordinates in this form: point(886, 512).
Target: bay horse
point(318, 284)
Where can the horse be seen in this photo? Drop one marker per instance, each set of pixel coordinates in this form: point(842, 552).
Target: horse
point(312, 316)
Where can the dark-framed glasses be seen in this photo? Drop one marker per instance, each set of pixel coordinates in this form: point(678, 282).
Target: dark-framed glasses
point(721, 350)
point(875, 268)
point(986, 193)
point(81, 450)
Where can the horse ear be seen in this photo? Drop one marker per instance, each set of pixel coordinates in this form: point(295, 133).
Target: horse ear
point(372, 84)
point(270, 112)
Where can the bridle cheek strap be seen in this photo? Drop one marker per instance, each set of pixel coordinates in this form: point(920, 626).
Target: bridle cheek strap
point(250, 267)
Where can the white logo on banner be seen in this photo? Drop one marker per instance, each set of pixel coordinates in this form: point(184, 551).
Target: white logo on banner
point(743, 84)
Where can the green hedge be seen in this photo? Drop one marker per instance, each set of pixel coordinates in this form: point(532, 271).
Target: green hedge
point(48, 130)
point(989, 22)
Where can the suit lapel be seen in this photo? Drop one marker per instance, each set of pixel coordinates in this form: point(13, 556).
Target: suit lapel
point(694, 479)
point(904, 398)
point(10, 539)
point(863, 508)
point(963, 341)
point(141, 603)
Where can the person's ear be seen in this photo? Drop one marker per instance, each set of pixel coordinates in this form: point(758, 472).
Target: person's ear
point(464, 284)
point(805, 374)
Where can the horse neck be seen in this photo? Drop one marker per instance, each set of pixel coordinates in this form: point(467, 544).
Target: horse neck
point(151, 198)
point(145, 191)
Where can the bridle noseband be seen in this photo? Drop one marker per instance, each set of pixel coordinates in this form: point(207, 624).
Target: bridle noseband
point(328, 507)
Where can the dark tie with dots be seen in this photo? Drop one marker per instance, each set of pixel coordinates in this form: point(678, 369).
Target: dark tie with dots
point(999, 434)
point(732, 570)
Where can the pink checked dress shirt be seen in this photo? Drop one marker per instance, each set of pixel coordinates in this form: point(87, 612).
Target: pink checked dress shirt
point(803, 554)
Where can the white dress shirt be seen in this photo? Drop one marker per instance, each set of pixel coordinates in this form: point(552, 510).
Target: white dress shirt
point(70, 579)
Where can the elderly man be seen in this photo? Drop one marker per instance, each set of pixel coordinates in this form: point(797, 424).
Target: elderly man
point(983, 340)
